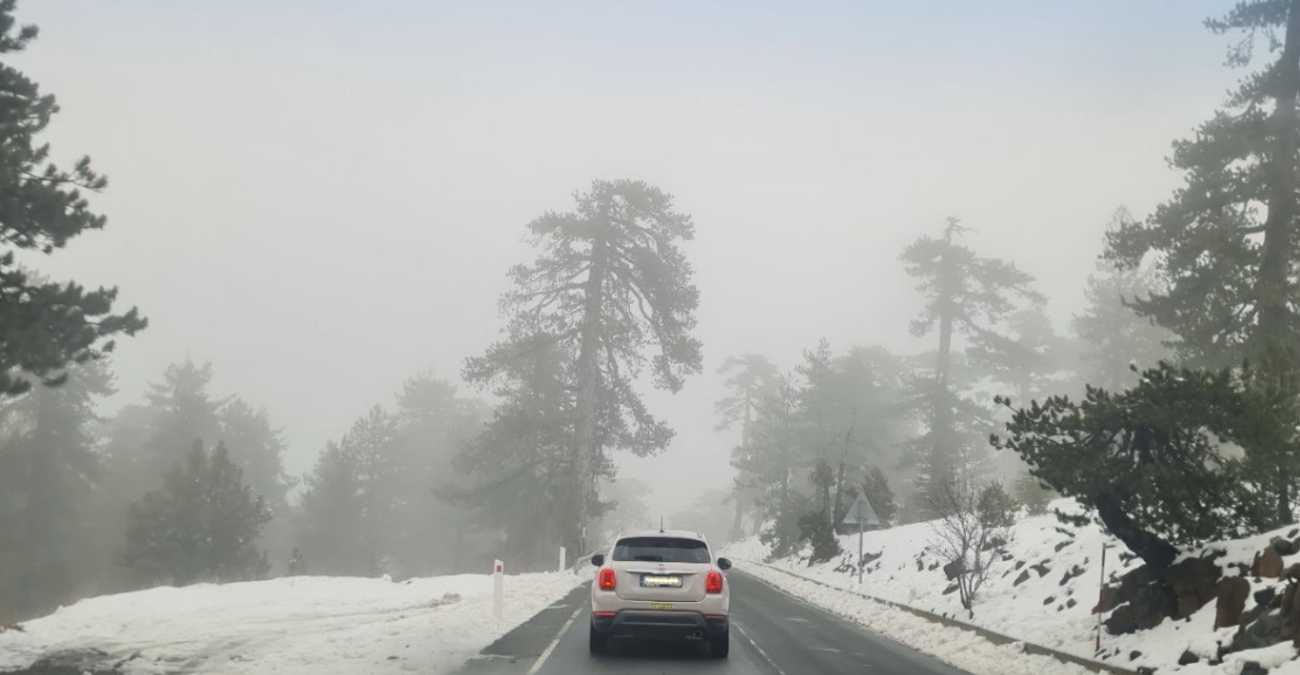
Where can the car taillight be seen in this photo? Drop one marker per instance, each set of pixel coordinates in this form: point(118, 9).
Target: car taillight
point(606, 579)
point(713, 582)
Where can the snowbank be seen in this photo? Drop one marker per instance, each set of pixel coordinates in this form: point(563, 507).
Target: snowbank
point(316, 625)
point(1043, 595)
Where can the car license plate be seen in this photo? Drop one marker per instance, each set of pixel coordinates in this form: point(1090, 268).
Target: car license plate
point(661, 605)
point(666, 581)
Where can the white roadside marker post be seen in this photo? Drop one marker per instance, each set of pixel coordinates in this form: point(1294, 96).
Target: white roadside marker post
point(562, 558)
point(498, 587)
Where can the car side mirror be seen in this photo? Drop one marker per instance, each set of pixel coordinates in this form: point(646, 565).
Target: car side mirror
point(724, 564)
point(598, 559)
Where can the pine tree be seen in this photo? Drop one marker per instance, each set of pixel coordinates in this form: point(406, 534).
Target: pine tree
point(1230, 265)
point(332, 532)
point(520, 468)
point(1029, 491)
point(183, 412)
point(258, 448)
point(967, 295)
point(610, 283)
point(48, 470)
point(1115, 334)
point(750, 379)
point(201, 525)
point(1029, 356)
point(429, 534)
point(1150, 460)
point(46, 325)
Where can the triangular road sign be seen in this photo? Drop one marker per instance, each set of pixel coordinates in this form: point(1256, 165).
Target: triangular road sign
point(861, 513)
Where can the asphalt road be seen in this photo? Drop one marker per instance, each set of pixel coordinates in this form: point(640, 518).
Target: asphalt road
point(771, 633)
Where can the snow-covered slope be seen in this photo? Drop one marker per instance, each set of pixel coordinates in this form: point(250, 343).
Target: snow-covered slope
point(308, 625)
point(1044, 595)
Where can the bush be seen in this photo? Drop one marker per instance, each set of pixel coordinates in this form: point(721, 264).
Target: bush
point(996, 508)
point(1032, 495)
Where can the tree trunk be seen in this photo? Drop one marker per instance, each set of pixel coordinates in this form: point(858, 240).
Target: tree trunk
point(941, 468)
point(587, 450)
point(1273, 288)
point(1148, 546)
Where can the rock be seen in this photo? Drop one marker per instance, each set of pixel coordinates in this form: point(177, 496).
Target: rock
point(1188, 658)
point(920, 565)
point(950, 589)
point(1024, 576)
point(1109, 600)
point(1253, 668)
point(1265, 596)
point(1071, 603)
point(933, 566)
point(994, 543)
point(1132, 656)
point(1041, 569)
point(1050, 599)
point(1007, 557)
point(1292, 534)
point(868, 558)
point(1265, 631)
point(1070, 574)
point(1020, 564)
point(953, 569)
point(1194, 583)
point(1282, 546)
point(1061, 545)
point(1292, 572)
point(1232, 594)
point(1267, 564)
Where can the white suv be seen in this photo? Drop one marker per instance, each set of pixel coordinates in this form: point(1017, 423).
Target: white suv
point(658, 584)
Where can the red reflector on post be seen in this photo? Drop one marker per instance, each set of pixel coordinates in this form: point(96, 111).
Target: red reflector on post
point(713, 582)
point(607, 579)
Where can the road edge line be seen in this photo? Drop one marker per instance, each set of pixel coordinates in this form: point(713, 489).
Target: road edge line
point(546, 653)
point(994, 637)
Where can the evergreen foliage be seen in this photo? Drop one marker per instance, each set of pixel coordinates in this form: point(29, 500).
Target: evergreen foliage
point(202, 524)
point(42, 207)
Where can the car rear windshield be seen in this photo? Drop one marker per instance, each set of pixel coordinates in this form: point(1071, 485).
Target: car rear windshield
point(662, 549)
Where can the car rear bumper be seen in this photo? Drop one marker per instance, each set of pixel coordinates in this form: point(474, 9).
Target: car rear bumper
point(666, 624)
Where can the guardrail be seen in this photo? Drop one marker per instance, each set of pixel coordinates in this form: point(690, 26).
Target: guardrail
point(991, 636)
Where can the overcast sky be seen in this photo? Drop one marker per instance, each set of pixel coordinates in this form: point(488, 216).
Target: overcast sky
point(322, 197)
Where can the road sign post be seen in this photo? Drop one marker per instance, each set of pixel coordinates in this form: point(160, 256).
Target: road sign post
point(498, 587)
point(862, 515)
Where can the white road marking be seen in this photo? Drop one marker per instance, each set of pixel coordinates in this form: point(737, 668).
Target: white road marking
point(546, 653)
point(758, 649)
point(827, 649)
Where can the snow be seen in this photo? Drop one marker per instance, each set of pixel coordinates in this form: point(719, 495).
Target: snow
point(316, 625)
point(1037, 611)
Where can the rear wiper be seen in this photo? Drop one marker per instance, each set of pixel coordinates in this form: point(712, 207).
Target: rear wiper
point(649, 558)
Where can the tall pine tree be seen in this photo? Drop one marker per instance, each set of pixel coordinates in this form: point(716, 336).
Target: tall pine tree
point(612, 283)
point(750, 378)
point(1230, 265)
point(968, 295)
point(46, 325)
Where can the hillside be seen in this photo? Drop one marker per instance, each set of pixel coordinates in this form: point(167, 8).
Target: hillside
point(1046, 589)
point(316, 625)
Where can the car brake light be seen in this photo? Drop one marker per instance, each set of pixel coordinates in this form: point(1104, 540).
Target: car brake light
point(607, 579)
point(713, 582)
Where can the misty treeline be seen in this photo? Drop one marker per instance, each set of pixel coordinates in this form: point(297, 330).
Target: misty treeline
point(1169, 405)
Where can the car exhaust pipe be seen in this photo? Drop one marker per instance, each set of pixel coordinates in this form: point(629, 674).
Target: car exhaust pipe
point(698, 634)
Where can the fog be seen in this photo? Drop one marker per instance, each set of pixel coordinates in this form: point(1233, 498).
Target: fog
point(322, 198)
